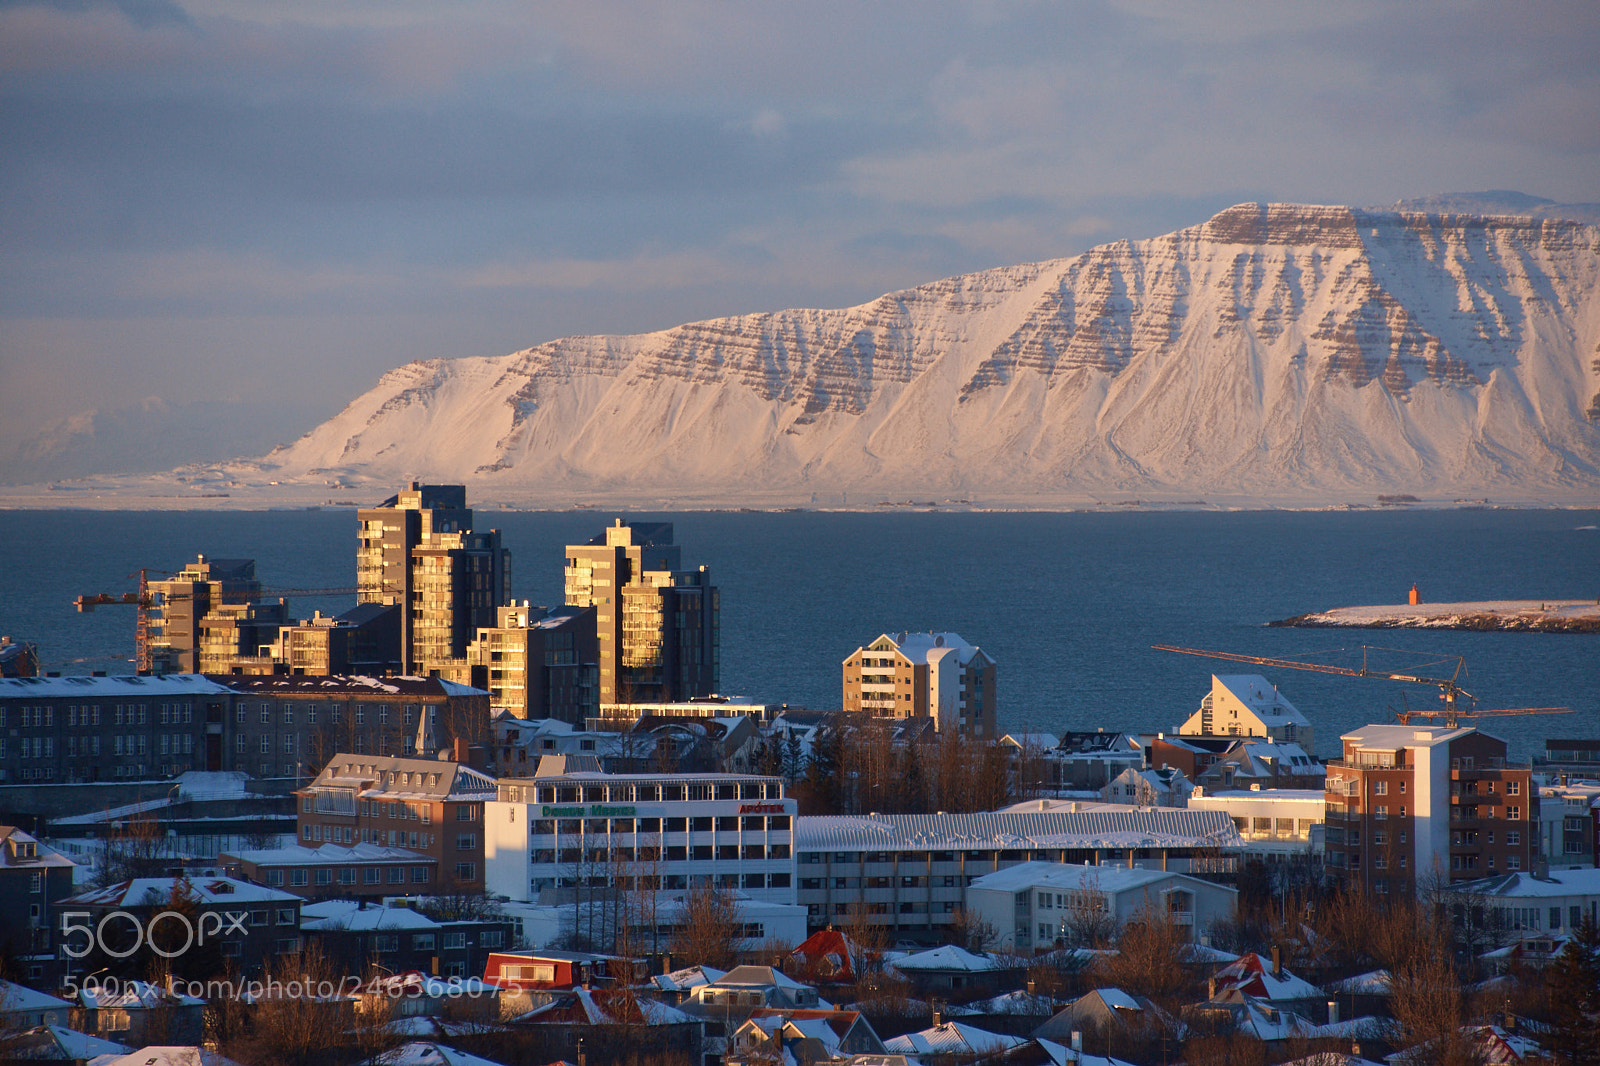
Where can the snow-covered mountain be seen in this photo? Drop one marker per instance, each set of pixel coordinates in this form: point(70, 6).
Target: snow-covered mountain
point(1275, 352)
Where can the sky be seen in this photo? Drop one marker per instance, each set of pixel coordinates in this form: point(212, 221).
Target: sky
point(220, 221)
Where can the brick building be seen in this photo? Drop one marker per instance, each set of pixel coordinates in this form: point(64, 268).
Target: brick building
point(292, 726)
point(83, 729)
point(425, 805)
point(1410, 805)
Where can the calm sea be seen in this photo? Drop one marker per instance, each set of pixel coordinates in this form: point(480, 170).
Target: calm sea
point(1068, 604)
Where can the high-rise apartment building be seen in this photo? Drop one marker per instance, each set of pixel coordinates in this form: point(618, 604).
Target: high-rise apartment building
point(658, 625)
point(1408, 807)
point(418, 550)
point(539, 664)
point(179, 607)
point(923, 675)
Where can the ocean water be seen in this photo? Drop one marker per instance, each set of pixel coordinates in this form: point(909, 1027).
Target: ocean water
point(1068, 604)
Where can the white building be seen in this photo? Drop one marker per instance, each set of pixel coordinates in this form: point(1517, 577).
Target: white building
point(1248, 705)
point(569, 827)
point(1517, 903)
point(1276, 823)
point(1031, 905)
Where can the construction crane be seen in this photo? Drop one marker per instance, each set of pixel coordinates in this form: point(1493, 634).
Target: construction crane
point(1449, 690)
point(144, 600)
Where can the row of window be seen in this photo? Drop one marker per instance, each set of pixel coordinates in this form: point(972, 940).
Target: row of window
point(647, 792)
point(671, 853)
point(346, 875)
point(945, 881)
point(408, 714)
point(730, 823)
point(43, 716)
point(665, 882)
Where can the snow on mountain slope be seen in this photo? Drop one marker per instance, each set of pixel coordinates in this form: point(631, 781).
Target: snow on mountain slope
point(1274, 352)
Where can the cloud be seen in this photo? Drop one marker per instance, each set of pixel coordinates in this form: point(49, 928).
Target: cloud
point(141, 13)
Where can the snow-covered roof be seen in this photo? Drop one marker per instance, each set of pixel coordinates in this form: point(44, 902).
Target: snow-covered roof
point(1127, 827)
point(1371, 983)
point(1117, 999)
point(120, 686)
point(950, 957)
point(427, 1053)
point(1261, 696)
point(1575, 881)
point(1019, 1002)
point(685, 979)
point(1107, 879)
point(951, 1038)
point(133, 995)
point(748, 976)
point(1251, 974)
point(1395, 737)
point(57, 1043)
point(1033, 741)
point(15, 998)
point(358, 919)
point(394, 777)
point(326, 855)
point(144, 891)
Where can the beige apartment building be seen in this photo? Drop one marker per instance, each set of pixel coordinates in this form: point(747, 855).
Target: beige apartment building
point(1408, 807)
point(924, 675)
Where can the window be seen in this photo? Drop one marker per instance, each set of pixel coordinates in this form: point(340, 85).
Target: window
point(466, 841)
point(286, 916)
point(1513, 813)
point(419, 875)
point(1513, 837)
point(422, 942)
point(1513, 788)
point(466, 871)
point(1380, 788)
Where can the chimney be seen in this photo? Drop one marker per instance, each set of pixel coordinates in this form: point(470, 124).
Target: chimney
point(938, 1016)
point(1333, 1012)
point(1277, 961)
point(461, 749)
point(1030, 986)
point(1077, 1043)
point(1211, 988)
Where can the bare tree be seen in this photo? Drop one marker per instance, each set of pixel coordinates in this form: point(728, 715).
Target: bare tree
point(1146, 960)
point(1087, 923)
point(969, 931)
point(135, 847)
point(708, 931)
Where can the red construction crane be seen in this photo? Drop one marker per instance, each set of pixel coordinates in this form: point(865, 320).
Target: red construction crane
point(1449, 690)
point(143, 600)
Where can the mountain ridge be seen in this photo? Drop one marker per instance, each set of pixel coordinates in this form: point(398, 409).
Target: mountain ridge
point(1275, 352)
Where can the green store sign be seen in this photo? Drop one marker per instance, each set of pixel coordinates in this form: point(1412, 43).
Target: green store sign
point(595, 811)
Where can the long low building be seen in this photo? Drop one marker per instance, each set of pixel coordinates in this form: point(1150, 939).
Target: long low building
point(909, 872)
